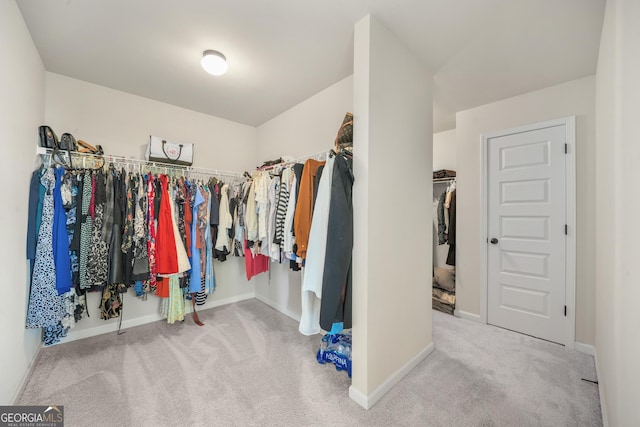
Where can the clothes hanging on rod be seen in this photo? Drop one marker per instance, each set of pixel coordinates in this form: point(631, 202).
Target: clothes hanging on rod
point(156, 228)
point(289, 161)
point(120, 226)
point(442, 208)
point(451, 258)
point(446, 215)
point(91, 161)
point(337, 279)
point(276, 189)
point(47, 309)
point(256, 242)
point(314, 272)
point(305, 204)
point(301, 198)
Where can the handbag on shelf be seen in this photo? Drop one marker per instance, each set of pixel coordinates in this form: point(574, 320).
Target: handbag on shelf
point(68, 142)
point(48, 138)
point(163, 151)
point(344, 138)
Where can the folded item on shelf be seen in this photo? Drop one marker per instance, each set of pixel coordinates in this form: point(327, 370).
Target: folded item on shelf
point(444, 173)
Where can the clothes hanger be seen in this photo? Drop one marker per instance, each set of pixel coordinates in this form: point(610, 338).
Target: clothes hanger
point(47, 162)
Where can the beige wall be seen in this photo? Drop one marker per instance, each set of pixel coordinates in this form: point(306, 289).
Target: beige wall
point(122, 123)
point(444, 150)
point(392, 158)
point(617, 230)
point(573, 98)
point(21, 112)
point(308, 128)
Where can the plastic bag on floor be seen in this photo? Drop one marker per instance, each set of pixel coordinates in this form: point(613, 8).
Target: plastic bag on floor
point(336, 349)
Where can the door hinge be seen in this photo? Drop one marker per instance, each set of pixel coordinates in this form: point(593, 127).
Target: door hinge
point(566, 229)
point(565, 311)
point(566, 148)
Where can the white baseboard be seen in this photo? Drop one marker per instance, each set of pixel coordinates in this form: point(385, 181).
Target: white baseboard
point(466, 315)
point(78, 334)
point(282, 309)
point(230, 300)
point(359, 397)
point(27, 374)
point(585, 348)
point(367, 401)
point(603, 406)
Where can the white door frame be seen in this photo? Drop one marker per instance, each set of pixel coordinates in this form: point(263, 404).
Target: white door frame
point(570, 198)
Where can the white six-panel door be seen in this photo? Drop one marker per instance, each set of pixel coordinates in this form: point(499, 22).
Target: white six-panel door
point(526, 251)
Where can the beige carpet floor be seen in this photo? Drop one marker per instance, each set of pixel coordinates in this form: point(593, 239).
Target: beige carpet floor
point(249, 366)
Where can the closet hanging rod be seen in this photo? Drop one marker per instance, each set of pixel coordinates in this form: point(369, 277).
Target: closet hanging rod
point(108, 158)
point(447, 179)
point(315, 156)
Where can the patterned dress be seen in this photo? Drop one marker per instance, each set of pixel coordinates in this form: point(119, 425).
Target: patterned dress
point(152, 285)
point(62, 263)
point(86, 226)
point(46, 307)
point(140, 231)
point(128, 229)
point(69, 198)
point(97, 262)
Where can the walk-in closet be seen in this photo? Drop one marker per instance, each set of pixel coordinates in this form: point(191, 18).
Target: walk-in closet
point(246, 213)
point(117, 193)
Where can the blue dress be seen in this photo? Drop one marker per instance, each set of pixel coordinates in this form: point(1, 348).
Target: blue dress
point(195, 283)
point(60, 238)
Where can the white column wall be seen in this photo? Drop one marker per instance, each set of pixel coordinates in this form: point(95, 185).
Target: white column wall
point(617, 228)
point(21, 112)
point(122, 123)
point(392, 203)
point(308, 128)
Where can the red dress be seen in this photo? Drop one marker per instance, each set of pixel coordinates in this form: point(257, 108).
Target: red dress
point(254, 264)
point(166, 255)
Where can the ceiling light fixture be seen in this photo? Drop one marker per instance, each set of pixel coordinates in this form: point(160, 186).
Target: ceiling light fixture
point(214, 62)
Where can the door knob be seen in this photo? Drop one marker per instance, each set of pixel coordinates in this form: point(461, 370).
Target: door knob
point(494, 241)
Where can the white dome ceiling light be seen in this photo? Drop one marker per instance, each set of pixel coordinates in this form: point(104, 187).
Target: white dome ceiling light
point(214, 62)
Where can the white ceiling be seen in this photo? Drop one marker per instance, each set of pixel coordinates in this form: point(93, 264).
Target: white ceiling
point(282, 52)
